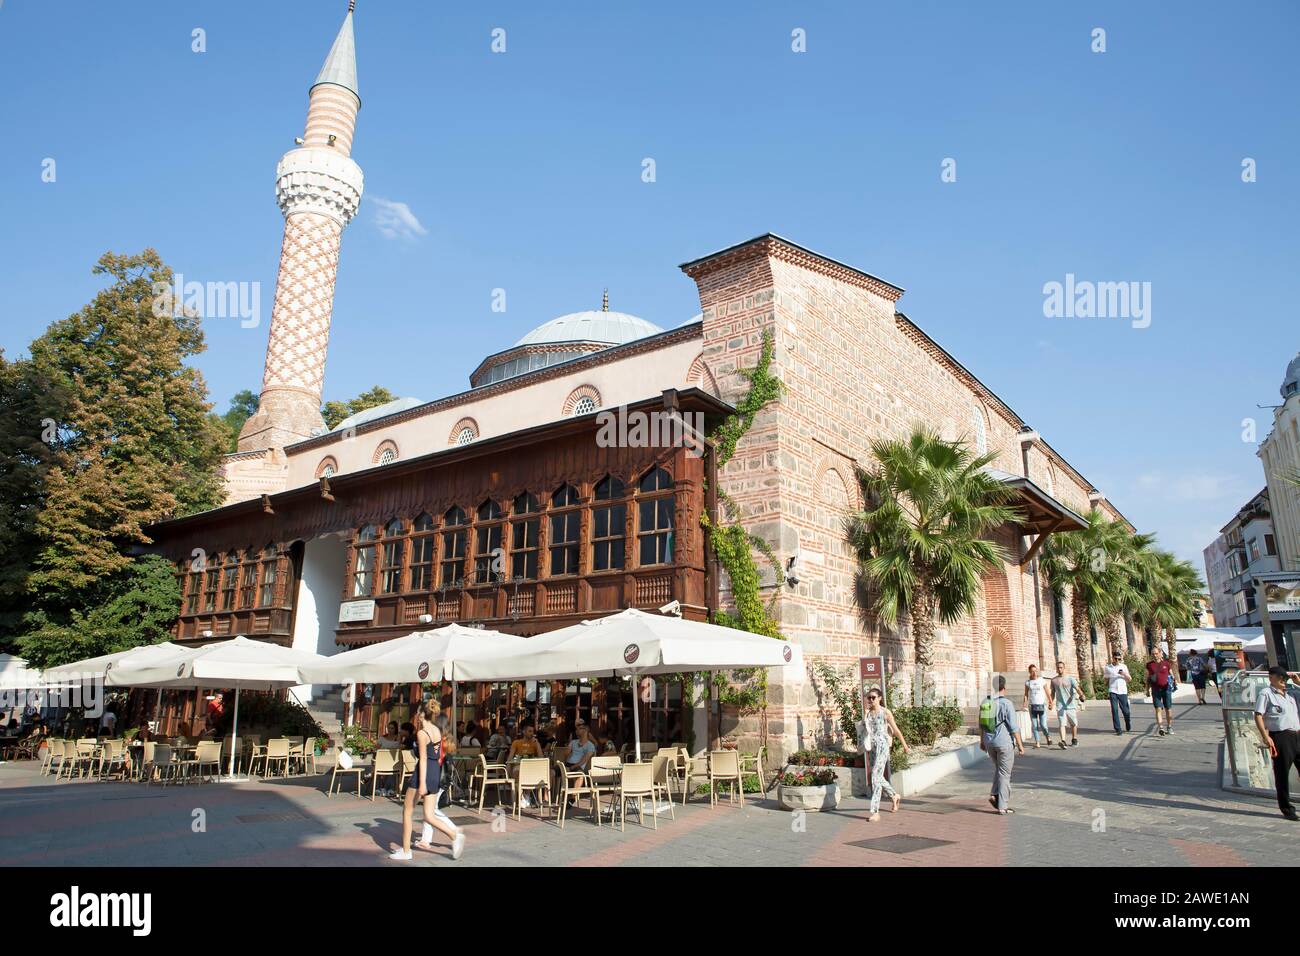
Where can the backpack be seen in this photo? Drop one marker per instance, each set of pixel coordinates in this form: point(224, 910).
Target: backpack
point(989, 716)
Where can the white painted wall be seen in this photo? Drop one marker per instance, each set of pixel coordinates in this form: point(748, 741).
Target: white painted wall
point(632, 379)
point(323, 567)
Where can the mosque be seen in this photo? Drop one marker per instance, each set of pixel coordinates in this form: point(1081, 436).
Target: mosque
point(498, 506)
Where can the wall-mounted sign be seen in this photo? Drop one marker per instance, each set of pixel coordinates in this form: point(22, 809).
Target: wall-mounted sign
point(871, 675)
point(1282, 596)
point(356, 611)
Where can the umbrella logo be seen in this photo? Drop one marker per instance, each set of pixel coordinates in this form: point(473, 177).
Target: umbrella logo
point(423, 670)
point(180, 671)
point(631, 653)
point(786, 653)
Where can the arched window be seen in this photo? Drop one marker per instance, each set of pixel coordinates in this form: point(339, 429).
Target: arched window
point(565, 530)
point(583, 400)
point(487, 543)
point(655, 518)
point(390, 578)
point(213, 578)
point(229, 579)
point(327, 468)
point(422, 540)
point(386, 453)
point(463, 432)
point(585, 405)
point(656, 479)
point(248, 579)
point(195, 602)
point(451, 572)
point(270, 569)
point(524, 537)
point(363, 568)
point(608, 526)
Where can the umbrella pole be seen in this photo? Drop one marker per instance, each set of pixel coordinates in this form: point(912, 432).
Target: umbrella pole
point(234, 729)
point(636, 714)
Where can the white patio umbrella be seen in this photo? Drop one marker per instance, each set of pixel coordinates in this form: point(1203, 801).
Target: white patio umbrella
point(95, 668)
point(633, 643)
point(15, 674)
point(238, 663)
point(453, 653)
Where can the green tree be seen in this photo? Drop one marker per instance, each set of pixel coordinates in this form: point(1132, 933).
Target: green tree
point(242, 407)
point(920, 541)
point(1176, 588)
point(335, 412)
point(134, 443)
point(138, 607)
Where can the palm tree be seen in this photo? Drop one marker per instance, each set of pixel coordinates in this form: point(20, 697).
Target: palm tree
point(920, 542)
point(1177, 587)
point(1093, 566)
point(1137, 577)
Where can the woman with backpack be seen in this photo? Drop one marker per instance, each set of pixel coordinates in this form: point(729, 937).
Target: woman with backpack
point(877, 731)
point(426, 785)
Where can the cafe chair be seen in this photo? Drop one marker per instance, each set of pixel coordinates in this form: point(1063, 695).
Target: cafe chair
point(385, 765)
point(534, 777)
point(603, 774)
point(693, 768)
point(724, 767)
point(163, 767)
point(277, 752)
point(207, 756)
point(753, 764)
point(113, 760)
point(357, 768)
point(489, 775)
point(256, 752)
point(637, 784)
point(296, 747)
point(663, 764)
point(574, 785)
point(52, 760)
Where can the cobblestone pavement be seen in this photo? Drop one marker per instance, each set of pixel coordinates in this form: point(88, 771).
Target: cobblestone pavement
point(1136, 800)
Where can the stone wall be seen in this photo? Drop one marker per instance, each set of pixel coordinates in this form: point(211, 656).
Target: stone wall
point(854, 370)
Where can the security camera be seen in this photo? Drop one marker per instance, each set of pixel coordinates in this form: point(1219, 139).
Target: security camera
point(672, 607)
point(426, 618)
point(792, 567)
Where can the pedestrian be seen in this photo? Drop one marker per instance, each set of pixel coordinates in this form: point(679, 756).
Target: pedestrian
point(1212, 673)
point(876, 733)
point(999, 734)
point(425, 785)
point(1196, 671)
point(1066, 699)
point(1036, 701)
point(1117, 678)
point(1279, 724)
point(1160, 682)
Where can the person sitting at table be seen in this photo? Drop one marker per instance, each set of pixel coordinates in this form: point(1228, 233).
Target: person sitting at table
point(391, 739)
point(498, 744)
point(408, 734)
point(527, 745)
point(469, 736)
point(581, 749)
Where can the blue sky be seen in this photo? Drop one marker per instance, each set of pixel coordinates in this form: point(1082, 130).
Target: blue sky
point(523, 171)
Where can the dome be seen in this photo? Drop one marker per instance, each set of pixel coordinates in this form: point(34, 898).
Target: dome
point(1291, 381)
point(379, 411)
point(612, 328)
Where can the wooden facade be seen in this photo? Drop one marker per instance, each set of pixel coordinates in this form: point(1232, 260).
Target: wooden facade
point(523, 533)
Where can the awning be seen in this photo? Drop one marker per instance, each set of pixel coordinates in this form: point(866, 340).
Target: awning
point(1043, 514)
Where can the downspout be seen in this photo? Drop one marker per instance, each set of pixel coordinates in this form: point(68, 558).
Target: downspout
point(1027, 438)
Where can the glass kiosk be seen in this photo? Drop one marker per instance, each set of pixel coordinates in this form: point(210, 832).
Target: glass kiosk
point(1248, 759)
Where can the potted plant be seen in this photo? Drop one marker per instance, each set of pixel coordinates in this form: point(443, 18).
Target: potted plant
point(322, 744)
point(809, 790)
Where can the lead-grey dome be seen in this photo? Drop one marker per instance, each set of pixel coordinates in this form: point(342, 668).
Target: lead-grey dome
point(1291, 381)
point(612, 328)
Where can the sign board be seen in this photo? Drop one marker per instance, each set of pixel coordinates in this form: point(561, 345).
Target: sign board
point(1282, 596)
point(871, 674)
point(356, 611)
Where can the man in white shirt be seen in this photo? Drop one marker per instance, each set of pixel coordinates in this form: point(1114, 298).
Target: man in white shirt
point(1278, 722)
point(1117, 678)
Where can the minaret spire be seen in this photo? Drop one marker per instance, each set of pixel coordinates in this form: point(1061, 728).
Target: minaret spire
point(604, 301)
point(318, 188)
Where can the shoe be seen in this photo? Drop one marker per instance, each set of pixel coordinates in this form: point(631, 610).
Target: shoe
point(1074, 742)
point(896, 800)
point(1062, 745)
point(1119, 733)
point(874, 818)
point(1291, 815)
point(400, 854)
point(458, 846)
point(1035, 744)
point(1170, 730)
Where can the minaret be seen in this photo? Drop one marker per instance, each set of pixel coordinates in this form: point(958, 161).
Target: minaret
point(318, 188)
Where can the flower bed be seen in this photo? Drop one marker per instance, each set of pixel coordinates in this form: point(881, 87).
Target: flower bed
point(809, 790)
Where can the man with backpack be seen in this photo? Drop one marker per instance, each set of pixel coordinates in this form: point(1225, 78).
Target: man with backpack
point(1161, 681)
point(998, 732)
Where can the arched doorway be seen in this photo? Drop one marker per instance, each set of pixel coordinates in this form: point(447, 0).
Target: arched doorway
point(998, 648)
point(997, 618)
